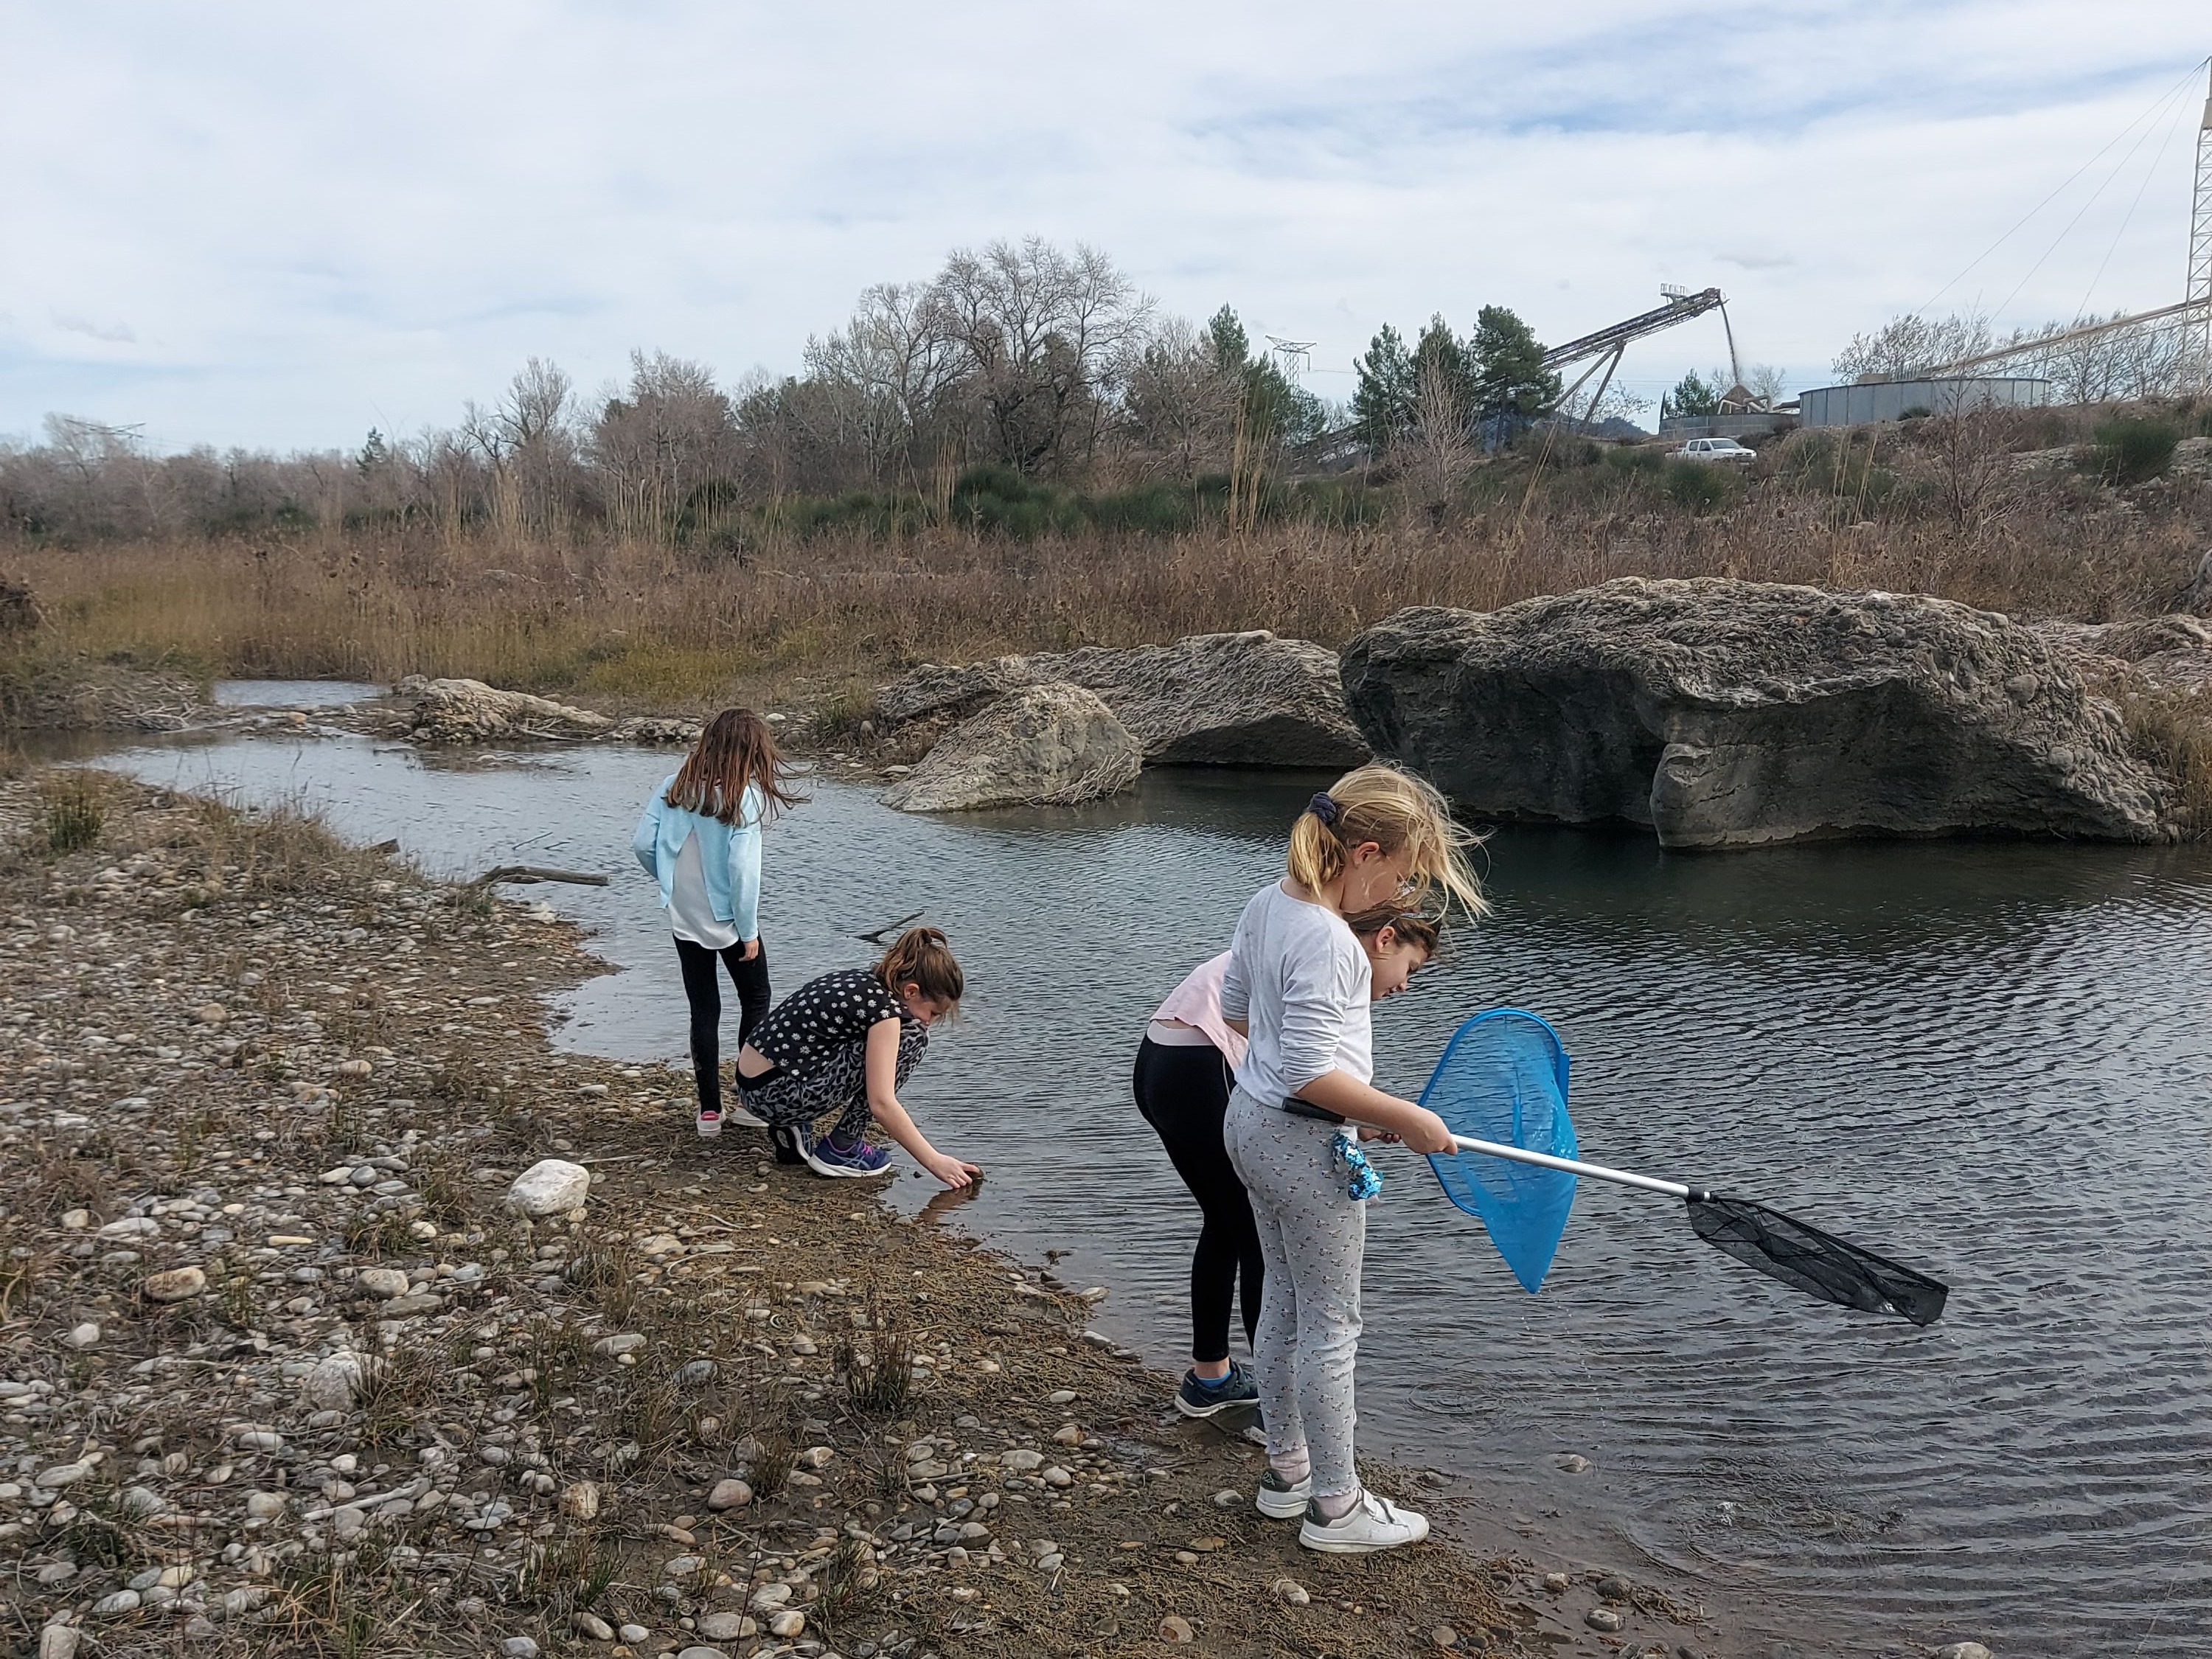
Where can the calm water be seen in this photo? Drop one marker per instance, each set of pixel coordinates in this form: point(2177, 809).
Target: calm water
point(1994, 1061)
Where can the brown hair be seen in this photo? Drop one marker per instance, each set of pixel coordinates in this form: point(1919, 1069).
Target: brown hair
point(921, 959)
point(1395, 811)
point(1411, 926)
point(736, 751)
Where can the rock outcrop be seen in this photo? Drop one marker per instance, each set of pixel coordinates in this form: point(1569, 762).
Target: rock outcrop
point(1210, 700)
point(469, 711)
point(2147, 652)
point(1728, 714)
point(1053, 744)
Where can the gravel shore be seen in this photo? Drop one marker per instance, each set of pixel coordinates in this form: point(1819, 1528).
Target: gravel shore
point(284, 1371)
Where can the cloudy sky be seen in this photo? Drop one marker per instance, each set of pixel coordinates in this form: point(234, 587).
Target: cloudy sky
point(278, 225)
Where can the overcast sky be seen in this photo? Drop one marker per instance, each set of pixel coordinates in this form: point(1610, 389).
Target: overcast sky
point(278, 225)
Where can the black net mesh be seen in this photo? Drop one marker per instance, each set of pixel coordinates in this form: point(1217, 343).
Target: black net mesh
point(1821, 1265)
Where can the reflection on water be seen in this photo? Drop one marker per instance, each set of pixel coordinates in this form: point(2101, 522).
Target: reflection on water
point(1989, 1060)
point(293, 694)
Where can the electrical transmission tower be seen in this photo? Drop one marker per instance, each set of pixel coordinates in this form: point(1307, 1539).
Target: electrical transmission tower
point(2197, 323)
point(1295, 356)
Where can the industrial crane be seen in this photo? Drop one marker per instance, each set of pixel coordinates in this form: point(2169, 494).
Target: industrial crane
point(1602, 350)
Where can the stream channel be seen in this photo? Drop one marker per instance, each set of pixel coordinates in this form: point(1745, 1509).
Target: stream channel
point(1993, 1061)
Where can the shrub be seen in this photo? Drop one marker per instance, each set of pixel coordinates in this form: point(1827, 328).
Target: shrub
point(2131, 450)
point(1698, 486)
point(74, 813)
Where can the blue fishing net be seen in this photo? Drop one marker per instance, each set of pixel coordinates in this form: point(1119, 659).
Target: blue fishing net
point(1504, 1078)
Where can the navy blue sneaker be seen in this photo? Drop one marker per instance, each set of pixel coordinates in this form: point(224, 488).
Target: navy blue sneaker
point(789, 1140)
point(826, 1157)
point(1201, 1396)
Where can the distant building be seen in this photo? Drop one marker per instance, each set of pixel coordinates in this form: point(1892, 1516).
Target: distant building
point(1893, 400)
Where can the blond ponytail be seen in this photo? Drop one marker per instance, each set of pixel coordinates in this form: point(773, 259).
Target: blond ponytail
point(1397, 812)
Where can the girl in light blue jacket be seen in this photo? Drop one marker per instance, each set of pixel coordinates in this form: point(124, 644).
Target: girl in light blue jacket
point(700, 840)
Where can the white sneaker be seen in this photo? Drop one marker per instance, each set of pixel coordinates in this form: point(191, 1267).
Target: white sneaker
point(1278, 1500)
point(709, 1124)
point(1373, 1524)
point(742, 1118)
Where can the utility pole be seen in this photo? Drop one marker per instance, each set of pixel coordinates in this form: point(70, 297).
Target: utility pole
point(2197, 324)
point(1293, 357)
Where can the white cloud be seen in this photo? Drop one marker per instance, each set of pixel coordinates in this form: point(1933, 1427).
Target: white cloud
point(316, 220)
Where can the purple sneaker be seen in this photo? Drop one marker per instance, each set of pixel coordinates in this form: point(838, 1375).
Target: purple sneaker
point(825, 1156)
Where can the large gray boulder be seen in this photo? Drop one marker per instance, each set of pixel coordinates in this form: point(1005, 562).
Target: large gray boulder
point(1053, 745)
point(1729, 714)
point(1211, 700)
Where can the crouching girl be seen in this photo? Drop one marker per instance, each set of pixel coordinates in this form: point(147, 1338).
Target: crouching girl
point(841, 1048)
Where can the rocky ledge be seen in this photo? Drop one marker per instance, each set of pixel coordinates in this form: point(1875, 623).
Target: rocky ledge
point(1247, 699)
point(1729, 713)
point(339, 1314)
point(1053, 744)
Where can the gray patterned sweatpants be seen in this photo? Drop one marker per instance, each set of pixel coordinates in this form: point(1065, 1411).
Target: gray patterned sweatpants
point(1313, 1238)
point(837, 1082)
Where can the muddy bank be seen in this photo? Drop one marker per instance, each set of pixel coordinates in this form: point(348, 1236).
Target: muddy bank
point(281, 1371)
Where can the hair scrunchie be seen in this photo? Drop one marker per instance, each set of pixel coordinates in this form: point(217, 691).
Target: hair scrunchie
point(1324, 807)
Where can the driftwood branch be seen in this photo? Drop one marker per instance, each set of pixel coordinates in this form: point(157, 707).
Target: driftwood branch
point(521, 875)
point(881, 935)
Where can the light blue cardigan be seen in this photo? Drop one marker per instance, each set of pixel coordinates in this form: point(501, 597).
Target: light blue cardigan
point(728, 854)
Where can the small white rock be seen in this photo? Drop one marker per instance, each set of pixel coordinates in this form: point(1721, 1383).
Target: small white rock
point(1291, 1593)
point(729, 1495)
point(122, 1602)
point(592, 1627)
point(83, 1336)
point(338, 1381)
point(550, 1186)
point(386, 1282)
point(786, 1624)
point(1963, 1651)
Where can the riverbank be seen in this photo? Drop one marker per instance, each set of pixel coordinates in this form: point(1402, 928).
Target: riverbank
point(282, 1374)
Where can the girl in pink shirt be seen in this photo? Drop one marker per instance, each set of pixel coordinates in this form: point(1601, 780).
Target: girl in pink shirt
point(1182, 1083)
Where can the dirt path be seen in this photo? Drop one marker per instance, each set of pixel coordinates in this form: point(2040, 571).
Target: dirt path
point(281, 1372)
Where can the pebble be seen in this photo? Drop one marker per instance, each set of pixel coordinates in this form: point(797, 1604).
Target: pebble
point(337, 1381)
point(519, 1647)
point(1557, 1582)
point(177, 1284)
point(1573, 1463)
point(727, 1626)
point(122, 1602)
point(82, 1336)
point(633, 1633)
point(581, 1501)
point(681, 1566)
point(1291, 1593)
point(1604, 1619)
point(74, 1219)
point(1614, 1588)
point(729, 1495)
point(386, 1282)
point(770, 1598)
point(702, 1651)
point(249, 1438)
point(1023, 1461)
point(61, 1474)
point(1228, 1498)
point(1445, 1637)
point(595, 1628)
point(59, 1641)
point(1963, 1651)
point(788, 1624)
point(614, 1346)
point(1060, 1397)
point(1177, 1628)
point(263, 1505)
point(1068, 1435)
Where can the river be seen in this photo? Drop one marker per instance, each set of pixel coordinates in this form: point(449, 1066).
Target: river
point(1993, 1061)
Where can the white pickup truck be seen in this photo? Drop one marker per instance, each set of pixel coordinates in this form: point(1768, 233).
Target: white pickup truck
point(1713, 449)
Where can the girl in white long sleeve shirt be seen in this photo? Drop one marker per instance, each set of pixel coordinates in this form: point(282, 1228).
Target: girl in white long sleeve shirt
point(1298, 983)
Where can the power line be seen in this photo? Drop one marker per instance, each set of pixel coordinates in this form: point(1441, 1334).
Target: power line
point(2055, 194)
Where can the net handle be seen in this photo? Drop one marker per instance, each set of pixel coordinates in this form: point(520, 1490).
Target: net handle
point(1575, 1166)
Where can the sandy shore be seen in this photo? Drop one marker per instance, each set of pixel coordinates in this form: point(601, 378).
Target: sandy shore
point(281, 1372)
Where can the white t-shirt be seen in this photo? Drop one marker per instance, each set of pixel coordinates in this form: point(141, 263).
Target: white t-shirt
point(1299, 980)
point(690, 912)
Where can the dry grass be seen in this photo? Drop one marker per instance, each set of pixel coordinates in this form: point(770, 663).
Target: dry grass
point(636, 625)
point(2173, 729)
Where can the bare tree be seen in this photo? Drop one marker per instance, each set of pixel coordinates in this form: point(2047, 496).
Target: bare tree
point(1911, 345)
point(1440, 447)
point(1044, 338)
point(1179, 408)
point(671, 434)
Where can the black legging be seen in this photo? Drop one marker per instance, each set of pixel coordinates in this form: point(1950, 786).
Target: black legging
point(704, 993)
point(1182, 1093)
